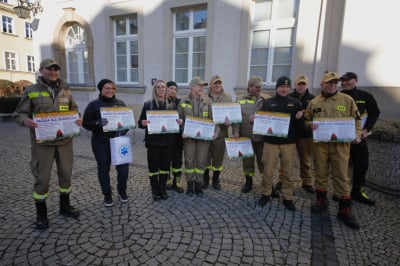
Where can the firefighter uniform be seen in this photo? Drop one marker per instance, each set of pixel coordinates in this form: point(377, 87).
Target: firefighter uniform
point(283, 148)
point(304, 142)
point(216, 150)
point(249, 104)
point(336, 106)
point(40, 98)
point(359, 156)
point(195, 150)
point(333, 155)
point(49, 94)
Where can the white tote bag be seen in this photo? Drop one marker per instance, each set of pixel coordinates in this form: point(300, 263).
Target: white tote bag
point(121, 150)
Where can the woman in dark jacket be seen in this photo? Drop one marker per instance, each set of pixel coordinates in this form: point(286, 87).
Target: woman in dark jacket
point(101, 141)
point(159, 146)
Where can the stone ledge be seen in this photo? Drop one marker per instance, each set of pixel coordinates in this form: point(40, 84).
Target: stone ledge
point(384, 167)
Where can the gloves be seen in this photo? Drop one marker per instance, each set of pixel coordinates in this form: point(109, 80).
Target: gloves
point(101, 122)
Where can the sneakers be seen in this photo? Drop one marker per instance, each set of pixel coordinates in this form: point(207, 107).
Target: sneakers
point(263, 200)
point(308, 188)
point(123, 197)
point(108, 201)
point(361, 196)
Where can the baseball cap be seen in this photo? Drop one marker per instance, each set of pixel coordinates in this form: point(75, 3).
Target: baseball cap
point(48, 63)
point(215, 79)
point(330, 76)
point(348, 76)
point(282, 81)
point(197, 81)
point(256, 81)
point(301, 78)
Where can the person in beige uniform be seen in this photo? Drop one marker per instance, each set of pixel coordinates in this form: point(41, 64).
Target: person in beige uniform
point(304, 141)
point(49, 94)
point(216, 151)
point(332, 104)
point(249, 104)
point(195, 150)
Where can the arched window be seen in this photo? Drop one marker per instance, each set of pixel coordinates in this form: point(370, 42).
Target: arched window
point(76, 54)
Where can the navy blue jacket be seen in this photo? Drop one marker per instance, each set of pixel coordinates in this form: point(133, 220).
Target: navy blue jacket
point(287, 105)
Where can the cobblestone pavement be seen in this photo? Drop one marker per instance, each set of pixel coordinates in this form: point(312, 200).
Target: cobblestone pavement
point(220, 228)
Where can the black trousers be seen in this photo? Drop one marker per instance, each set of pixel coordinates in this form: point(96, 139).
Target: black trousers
point(360, 159)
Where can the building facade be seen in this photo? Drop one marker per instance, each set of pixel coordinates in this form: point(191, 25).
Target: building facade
point(17, 60)
point(135, 42)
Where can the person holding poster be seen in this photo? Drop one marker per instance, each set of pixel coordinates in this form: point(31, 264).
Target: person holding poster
point(283, 148)
point(359, 157)
point(49, 94)
point(249, 104)
point(159, 146)
point(334, 155)
point(304, 141)
point(100, 141)
point(176, 160)
point(195, 150)
point(216, 151)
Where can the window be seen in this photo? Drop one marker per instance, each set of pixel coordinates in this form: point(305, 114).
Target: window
point(272, 38)
point(3, 1)
point(8, 24)
point(76, 54)
point(126, 50)
point(11, 60)
point(189, 44)
point(30, 63)
point(28, 30)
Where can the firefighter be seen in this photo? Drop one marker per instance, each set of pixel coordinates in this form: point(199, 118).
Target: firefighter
point(216, 151)
point(49, 94)
point(195, 150)
point(331, 104)
point(359, 156)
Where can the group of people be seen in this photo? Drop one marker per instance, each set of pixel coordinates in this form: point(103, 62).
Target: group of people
point(203, 159)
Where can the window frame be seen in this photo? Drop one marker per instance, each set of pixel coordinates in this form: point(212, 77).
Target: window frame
point(8, 61)
point(78, 48)
point(273, 25)
point(191, 33)
point(7, 24)
point(28, 30)
point(30, 63)
point(127, 38)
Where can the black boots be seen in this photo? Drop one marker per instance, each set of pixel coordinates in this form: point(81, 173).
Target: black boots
point(321, 203)
point(198, 189)
point(345, 215)
point(358, 194)
point(65, 208)
point(176, 184)
point(41, 215)
point(162, 186)
point(155, 187)
point(206, 178)
point(189, 190)
point(215, 181)
point(248, 186)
